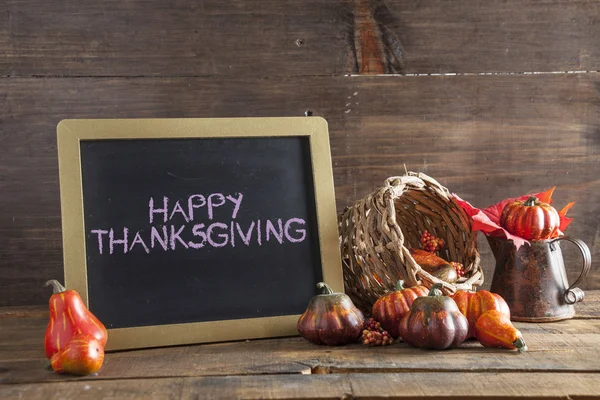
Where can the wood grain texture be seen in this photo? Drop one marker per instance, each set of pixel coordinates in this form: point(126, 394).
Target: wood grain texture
point(416, 385)
point(290, 38)
point(21, 328)
point(293, 368)
point(484, 137)
point(566, 347)
point(495, 131)
point(154, 38)
point(589, 308)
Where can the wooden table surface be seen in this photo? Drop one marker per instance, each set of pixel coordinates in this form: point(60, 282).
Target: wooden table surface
point(563, 361)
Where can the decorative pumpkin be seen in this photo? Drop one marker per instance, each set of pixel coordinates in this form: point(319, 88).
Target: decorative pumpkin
point(472, 305)
point(494, 329)
point(391, 307)
point(331, 319)
point(434, 322)
point(530, 219)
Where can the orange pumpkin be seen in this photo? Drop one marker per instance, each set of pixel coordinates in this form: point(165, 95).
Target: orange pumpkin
point(391, 307)
point(472, 305)
point(530, 219)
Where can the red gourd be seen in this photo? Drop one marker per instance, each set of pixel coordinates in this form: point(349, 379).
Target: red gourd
point(391, 307)
point(68, 317)
point(434, 322)
point(530, 219)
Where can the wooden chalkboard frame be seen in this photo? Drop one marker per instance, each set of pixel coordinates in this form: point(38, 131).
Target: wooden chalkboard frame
point(71, 132)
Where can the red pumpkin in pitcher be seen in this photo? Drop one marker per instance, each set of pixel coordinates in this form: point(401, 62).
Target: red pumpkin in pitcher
point(530, 219)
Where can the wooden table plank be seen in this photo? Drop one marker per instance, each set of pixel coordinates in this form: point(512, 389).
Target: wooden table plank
point(287, 38)
point(484, 137)
point(567, 347)
point(414, 385)
point(561, 363)
point(21, 328)
point(22, 336)
point(549, 352)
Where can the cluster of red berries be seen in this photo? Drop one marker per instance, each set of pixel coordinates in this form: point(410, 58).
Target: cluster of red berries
point(375, 335)
point(460, 269)
point(373, 325)
point(431, 243)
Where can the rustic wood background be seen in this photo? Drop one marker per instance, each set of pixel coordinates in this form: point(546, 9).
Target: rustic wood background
point(493, 99)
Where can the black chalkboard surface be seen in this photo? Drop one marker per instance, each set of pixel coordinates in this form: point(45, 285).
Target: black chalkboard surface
point(240, 222)
point(191, 230)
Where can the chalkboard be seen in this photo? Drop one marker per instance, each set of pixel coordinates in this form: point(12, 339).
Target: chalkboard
point(209, 224)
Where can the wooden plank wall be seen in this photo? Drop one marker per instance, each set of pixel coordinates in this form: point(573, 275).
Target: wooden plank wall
point(493, 99)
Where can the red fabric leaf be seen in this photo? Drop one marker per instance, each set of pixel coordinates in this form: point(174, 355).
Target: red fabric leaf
point(486, 224)
point(546, 196)
point(564, 220)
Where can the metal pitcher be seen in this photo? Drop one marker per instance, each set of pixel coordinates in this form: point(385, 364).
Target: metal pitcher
point(533, 280)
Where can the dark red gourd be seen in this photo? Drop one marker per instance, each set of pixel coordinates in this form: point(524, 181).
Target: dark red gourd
point(331, 319)
point(434, 322)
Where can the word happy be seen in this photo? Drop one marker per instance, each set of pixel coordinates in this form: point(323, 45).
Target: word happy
point(177, 226)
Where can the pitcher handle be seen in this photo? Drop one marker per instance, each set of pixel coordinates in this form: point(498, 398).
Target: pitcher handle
point(574, 294)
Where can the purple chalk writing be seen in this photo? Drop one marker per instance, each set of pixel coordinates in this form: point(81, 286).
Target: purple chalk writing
point(198, 222)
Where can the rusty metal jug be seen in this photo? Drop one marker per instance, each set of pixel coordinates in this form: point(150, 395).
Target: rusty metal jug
point(533, 279)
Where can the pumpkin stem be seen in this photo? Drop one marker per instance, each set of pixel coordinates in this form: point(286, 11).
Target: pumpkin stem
point(530, 202)
point(324, 287)
point(48, 366)
point(520, 345)
point(56, 286)
point(400, 285)
point(436, 290)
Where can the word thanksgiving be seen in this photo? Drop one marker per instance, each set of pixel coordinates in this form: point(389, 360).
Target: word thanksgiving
point(166, 235)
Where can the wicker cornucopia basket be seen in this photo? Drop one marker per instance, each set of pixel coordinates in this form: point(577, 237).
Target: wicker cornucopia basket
point(378, 231)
